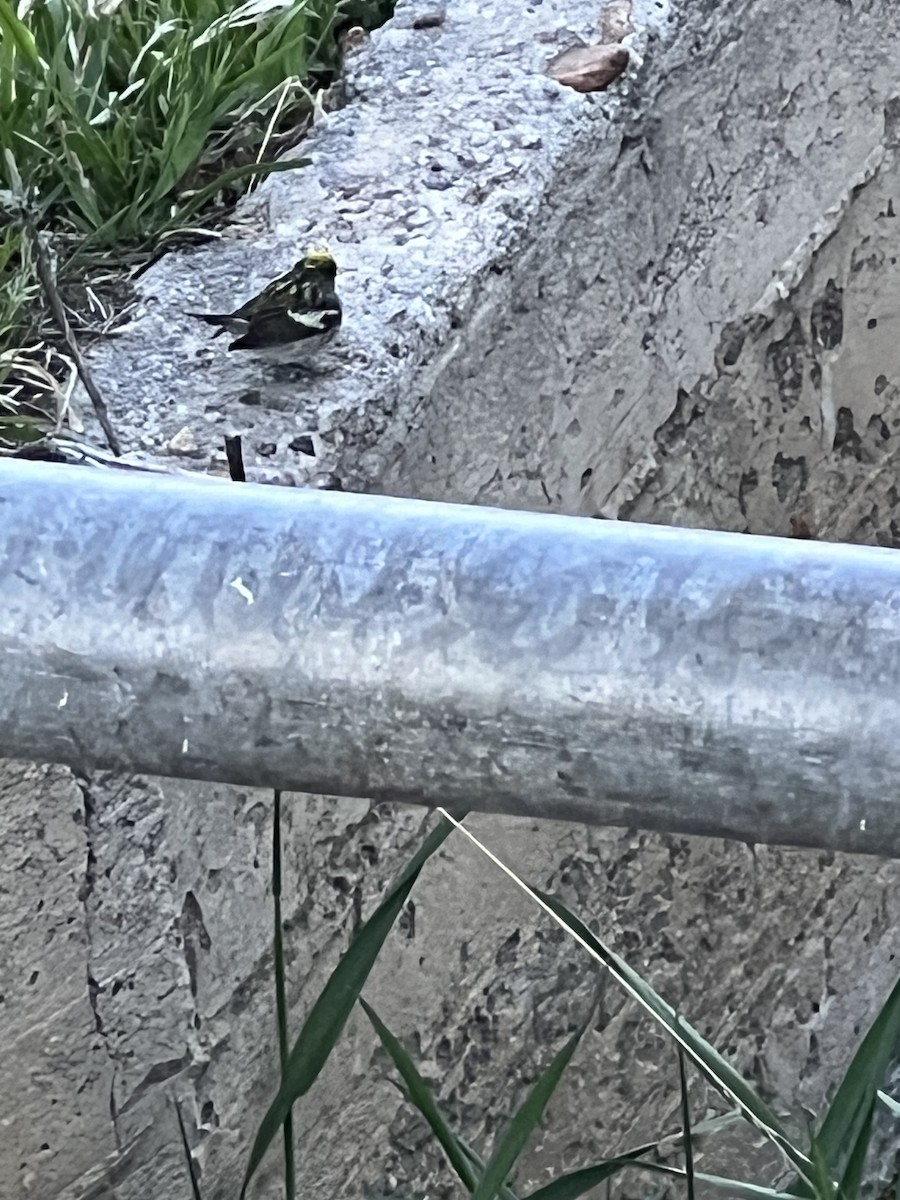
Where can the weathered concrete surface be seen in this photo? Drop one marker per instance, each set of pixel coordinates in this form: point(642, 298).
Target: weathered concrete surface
point(797, 415)
point(763, 949)
point(561, 324)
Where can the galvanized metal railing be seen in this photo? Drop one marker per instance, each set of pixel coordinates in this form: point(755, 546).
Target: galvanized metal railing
point(439, 654)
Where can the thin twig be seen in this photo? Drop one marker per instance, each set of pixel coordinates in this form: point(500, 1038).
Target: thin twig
point(186, 1146)
point(46, 274)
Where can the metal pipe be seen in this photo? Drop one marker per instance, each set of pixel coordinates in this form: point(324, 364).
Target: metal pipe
point(509, 662)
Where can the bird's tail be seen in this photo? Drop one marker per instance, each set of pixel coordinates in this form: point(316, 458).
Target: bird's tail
point(220, 319)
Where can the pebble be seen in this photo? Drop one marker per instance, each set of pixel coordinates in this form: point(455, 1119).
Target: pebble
point(430, 20)
point(183, 442)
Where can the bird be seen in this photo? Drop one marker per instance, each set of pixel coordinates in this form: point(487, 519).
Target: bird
point(292, 317)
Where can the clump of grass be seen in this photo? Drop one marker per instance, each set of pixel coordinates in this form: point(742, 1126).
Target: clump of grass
point(121, 116)
point(125, 124)
point(829, 1164)
point(19, 287)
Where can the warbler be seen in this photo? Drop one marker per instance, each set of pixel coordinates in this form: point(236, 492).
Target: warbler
point(292, 317)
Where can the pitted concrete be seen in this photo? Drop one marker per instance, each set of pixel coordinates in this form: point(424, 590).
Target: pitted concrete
point(654, 303)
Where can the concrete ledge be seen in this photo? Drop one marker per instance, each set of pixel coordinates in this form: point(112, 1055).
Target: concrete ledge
point(522, 319)
point(453, 186)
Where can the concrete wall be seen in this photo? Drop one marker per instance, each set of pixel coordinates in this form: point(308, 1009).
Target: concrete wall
point(621, 305)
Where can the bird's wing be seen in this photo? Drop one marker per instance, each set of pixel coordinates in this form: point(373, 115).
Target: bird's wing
point(274, 295)
point(285, 326)
point(292, 314)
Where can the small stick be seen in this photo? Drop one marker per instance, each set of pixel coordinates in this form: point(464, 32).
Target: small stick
point(186, 1146)
point(235, 457)
point(46, 274)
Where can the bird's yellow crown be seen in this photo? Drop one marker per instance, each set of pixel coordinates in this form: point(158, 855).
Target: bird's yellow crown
point(318, 258)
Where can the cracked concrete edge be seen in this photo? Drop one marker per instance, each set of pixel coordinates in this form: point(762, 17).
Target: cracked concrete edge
point(54, 1049)
point(103, 1018)
point(798, 265)
point(92, 985)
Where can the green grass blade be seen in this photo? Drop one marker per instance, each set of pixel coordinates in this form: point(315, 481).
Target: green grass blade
point(189, 206)
point(850, 1108)
point(506, 1192)
point(823, 1186)
point(21, 37)
point(686, 1124)
point(578, 1183)
point(736, 1189)
point(710, 1062)
point(329, 1014)
point(856, 1162)
point(290, 1171)
point(420, 1095)
point(522, 1125)
point(186, 135)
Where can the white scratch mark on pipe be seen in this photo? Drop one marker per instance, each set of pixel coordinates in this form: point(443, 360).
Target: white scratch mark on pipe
point(184, 746)
point(242, 590)
point(64, 701)
point(862, 825)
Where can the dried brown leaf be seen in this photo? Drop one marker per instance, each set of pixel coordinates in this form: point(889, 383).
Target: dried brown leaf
point(588, 68)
